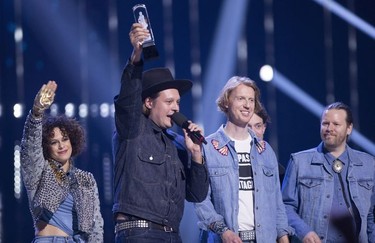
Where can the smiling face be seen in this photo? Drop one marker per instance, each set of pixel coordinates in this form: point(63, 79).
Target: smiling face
point(241, 104)
point(60, 147)
point(334, 129)
point(163, 107)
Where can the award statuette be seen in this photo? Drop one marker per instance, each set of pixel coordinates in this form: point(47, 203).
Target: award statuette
point(148, 45)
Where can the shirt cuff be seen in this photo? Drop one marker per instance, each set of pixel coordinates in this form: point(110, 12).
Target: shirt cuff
point(218, 227)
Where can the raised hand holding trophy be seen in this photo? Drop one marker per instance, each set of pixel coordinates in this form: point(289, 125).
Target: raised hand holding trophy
point(148, 45)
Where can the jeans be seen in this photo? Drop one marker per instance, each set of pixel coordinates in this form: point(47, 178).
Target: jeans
point(57, 239)
point(137, 235)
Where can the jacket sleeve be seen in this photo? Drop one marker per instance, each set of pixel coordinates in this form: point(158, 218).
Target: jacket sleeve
point(291, 200)
point(370, 216)
point(205, 210)
point(32, 159)
point(97, 234)
point(207, 214)
point(196, 174)
point(128, 112)
point(282, 225)
point(128, 103)
point(197, 182)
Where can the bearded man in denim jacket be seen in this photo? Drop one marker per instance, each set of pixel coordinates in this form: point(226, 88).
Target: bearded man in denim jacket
point(155, 168)
point(328, 191)
point(244, 201)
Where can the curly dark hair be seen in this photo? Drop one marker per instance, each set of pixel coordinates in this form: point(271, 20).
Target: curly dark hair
point(69, 127)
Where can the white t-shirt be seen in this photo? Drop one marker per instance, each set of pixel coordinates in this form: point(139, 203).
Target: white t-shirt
point(246, 185)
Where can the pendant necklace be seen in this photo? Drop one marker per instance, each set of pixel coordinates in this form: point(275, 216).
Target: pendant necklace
point(337, 166)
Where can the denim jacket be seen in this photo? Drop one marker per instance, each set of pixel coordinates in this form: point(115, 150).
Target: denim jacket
point(153, 172)
point(308, 190)
point(222, 200)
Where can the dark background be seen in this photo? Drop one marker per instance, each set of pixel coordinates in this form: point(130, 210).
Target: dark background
point(72, 42)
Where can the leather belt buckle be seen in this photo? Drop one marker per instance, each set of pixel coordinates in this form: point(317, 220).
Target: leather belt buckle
point(168, 229)
point(122, 217)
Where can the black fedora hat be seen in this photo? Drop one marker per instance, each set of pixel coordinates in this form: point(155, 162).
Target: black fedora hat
point(158, 79)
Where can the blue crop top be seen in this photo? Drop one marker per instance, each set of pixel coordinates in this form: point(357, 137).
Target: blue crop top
point(65, 217)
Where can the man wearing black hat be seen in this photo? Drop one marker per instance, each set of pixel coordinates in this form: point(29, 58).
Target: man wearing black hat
point(155, 168)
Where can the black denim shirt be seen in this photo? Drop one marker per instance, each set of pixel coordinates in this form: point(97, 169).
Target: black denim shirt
point(153, 172)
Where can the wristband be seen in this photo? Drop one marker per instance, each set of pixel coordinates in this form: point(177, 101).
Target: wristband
point(219, 227)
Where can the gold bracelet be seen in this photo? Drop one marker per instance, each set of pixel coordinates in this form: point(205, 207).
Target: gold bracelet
point(37, 112)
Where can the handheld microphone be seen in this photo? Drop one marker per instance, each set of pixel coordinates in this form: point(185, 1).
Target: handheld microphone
point(182, 121)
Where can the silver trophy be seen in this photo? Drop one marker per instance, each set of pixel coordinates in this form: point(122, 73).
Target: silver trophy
point(148, 45)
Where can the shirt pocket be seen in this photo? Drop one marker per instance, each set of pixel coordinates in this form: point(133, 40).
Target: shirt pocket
point(219, 179)
point(311, 188)
point(269, 179)
point(365, 187)
point(367, 184)
point(151, 166)
point(221, 187)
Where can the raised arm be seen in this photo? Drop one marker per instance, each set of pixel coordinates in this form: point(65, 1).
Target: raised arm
point(32, 159)
point(128, 103)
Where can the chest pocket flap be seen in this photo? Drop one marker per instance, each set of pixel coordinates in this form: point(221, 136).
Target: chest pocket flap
point(151, 157)
point(368, 184)
point(311, 182)
point(268, 171)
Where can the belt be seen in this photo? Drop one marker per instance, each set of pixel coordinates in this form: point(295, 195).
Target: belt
point(247, 235)
point(141, 224)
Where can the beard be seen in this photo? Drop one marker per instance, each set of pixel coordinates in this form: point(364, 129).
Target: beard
point(333, 140)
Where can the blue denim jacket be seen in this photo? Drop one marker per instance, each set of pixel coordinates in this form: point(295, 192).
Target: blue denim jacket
point(221, 203)
point(153, 172)
point(308, 190)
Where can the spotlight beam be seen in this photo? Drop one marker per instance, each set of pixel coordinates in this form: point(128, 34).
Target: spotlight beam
point(221, 60)
point(55, 32)
point(348, 16)
point(304, 99)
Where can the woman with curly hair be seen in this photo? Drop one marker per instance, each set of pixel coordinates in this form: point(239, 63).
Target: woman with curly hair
point(63, 200)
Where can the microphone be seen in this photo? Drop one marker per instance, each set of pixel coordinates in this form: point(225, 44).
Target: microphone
point(182, 121)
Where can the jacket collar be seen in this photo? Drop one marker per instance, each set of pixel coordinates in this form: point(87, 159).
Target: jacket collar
point(318, 158)
point(155, 127)
point(222, 138)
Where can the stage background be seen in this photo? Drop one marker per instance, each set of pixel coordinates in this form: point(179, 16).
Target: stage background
point(84, 45)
